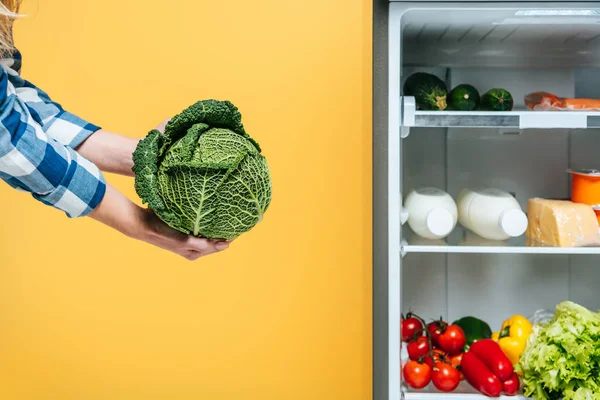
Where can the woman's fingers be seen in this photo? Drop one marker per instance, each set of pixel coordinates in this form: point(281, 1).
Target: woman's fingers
point(205, 246)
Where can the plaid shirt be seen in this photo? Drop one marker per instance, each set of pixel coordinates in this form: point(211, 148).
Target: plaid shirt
point(37, 142)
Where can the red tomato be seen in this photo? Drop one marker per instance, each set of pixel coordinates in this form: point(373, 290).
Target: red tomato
point(417, 375)
point(452, 340)
point(435, 330)
point(445, 377)
point(455, 360)
point(418, 348)
point(438, 355)
point(512, 385)
point(410, 327)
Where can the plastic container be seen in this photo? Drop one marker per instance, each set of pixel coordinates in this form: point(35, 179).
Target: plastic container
point(491, 213)
point(432, 213)
point(585, 188)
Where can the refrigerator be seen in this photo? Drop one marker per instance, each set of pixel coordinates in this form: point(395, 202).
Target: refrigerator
point(522, 47)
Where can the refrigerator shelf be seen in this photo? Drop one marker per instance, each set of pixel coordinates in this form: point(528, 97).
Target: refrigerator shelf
point(516, 119)
point(464, 391)
point(455, 396)
point(462, 242)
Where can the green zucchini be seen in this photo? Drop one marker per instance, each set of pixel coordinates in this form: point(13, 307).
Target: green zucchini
point(463, 98)
point(497, 100)
point(429, 91)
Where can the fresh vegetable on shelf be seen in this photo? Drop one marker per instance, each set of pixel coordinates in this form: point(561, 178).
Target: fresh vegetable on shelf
point(474, 329)
point(513, 336)
point(511, 386)
point(429, 91)
point(418, 348)
point(410, 326)
point(445, 377)
point(497, 100)
point(562, 357)
point(452, 340)
point(493, 357)
point(435, 330)
point(455, 360)
point(486, 368)
point(448, 337)
point(463, 98)
point(417, 375)
point(479, 376)
point(435, 356)
point(429, 363)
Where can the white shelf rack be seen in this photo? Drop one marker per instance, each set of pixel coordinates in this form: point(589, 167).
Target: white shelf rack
point(464, 391)
point(517, 119)
point(463, 242)
point(406, 248)
point(455, 396)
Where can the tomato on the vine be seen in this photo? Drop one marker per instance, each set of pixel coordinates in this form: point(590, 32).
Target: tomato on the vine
point(417, 375)
point(455, 360)
point(452, 340)
point(418, 348)
point(410, 327)
point(438, 355)
point(445, 377)
point(435, 329)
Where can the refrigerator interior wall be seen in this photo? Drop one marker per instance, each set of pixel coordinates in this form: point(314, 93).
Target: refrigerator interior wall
point(501, 38)
point(498, 50)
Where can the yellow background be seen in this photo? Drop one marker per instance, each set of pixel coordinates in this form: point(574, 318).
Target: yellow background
point(285, 313)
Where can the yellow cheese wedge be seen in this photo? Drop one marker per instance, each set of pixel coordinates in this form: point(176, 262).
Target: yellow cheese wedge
point(561, 223)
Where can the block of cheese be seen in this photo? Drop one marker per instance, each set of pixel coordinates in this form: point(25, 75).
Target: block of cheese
point(561, 223)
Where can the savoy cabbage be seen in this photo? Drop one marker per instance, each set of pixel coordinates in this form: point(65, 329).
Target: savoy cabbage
point(205, 175)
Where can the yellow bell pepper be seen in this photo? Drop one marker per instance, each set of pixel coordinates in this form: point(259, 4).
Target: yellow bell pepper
point(513, 336)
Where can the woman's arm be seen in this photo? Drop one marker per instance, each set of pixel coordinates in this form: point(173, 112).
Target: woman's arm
point(110, 152)
point(118, 212)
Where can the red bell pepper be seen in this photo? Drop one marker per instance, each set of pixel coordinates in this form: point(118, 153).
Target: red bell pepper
point(493, 357)
point(479, 376)
point(512, 385)
point(488, 369)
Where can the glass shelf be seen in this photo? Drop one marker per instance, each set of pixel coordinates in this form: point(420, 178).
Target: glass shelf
point(518, 118)
point(462, 241)
point(510, 119)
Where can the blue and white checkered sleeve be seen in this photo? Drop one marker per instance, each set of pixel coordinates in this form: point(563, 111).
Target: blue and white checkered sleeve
point(63, 126)
point(33, 161)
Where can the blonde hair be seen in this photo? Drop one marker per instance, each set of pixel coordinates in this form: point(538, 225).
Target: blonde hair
point(9, 10)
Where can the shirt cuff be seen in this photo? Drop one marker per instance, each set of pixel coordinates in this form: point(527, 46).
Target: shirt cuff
point(81, 189)
point(70, 130)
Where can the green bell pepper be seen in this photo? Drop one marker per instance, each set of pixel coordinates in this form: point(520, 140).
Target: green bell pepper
point(475, 329)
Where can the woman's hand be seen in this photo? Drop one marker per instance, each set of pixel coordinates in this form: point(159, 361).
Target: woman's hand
point(161, 235)
point(118, 212)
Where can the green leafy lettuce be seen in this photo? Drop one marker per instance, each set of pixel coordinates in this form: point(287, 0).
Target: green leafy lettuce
point(205, 175)
point(562, 357)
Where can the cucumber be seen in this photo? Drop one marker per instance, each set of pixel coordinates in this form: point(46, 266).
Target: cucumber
point(463, 98)
point(429, 91)
point(497, 100)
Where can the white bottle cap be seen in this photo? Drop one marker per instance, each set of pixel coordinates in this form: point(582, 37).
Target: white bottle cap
point(513, 222)
point(440, 222)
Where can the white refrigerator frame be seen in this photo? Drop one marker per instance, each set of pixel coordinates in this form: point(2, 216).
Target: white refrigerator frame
point(387, 178)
